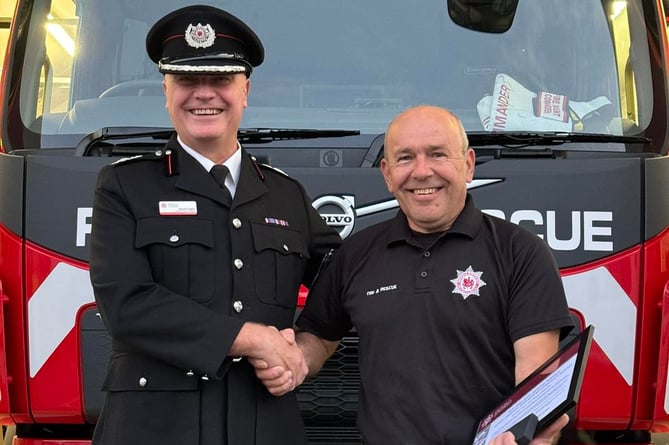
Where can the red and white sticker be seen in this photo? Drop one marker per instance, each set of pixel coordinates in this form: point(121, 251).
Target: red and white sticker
point(552, 106)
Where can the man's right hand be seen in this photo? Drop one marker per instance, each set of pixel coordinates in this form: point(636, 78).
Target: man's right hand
point(278, 379)
point(279, 362)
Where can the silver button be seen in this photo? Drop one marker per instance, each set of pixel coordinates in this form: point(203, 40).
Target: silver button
point(142, 382)
point(190, 373)
point(174, 238)
point(423, 274)
point(285, 248)
point(236, 223)
point(204, 377)
point(238, 263)
point(427, 254)
point(238, 306)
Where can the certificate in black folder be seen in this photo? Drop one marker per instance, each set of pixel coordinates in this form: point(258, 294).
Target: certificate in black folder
point(545, 395)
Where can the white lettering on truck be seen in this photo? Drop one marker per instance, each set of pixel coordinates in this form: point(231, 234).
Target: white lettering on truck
point(589, 229)
point(84, 215)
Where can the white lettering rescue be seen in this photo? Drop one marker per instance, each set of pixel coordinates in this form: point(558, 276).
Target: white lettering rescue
point(590, 230)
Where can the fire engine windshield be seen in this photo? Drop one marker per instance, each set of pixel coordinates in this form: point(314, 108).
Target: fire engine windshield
point(562, 66)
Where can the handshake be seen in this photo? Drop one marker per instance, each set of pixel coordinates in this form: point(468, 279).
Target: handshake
point(279, 361)
point(283, 360)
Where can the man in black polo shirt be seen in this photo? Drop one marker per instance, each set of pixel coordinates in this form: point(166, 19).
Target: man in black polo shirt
point(453, 307)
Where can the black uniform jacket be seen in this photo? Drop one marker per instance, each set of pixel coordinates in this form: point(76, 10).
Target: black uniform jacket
point(174, 288)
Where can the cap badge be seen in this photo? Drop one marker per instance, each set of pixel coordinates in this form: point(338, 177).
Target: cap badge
point(200, 36)
point(468, 282)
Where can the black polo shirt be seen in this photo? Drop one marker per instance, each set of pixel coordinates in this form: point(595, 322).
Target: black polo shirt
point(436, 323)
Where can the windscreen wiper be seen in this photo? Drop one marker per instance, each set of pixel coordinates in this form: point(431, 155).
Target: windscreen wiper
point(123, 141)
point(258, 135)
point(516, 140)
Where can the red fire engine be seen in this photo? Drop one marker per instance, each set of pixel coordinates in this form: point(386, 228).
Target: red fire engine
point(564, 101)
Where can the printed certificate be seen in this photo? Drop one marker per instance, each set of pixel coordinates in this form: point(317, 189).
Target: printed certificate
point(547, 393)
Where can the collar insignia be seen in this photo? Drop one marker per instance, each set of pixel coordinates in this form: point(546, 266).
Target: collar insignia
point(468, 283)
point(200, 36)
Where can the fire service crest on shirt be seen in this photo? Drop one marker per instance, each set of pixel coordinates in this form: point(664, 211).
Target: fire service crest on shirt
point(468, 282)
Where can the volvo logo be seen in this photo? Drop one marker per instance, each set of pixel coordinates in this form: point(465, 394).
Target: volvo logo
point(337, 212)
point(340, 213)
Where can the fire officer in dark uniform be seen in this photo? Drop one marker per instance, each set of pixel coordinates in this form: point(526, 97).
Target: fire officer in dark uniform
point(195, 269)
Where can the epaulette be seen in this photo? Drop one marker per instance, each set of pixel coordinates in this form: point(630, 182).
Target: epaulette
point(171, 167)
point(267, 166)
point(147, 156)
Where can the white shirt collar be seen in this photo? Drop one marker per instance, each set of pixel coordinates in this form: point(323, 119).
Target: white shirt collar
point(233, 163)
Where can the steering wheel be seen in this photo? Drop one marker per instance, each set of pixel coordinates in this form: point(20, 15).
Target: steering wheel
point(144, 87)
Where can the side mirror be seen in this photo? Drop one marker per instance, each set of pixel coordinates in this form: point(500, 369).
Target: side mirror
point(491, 16)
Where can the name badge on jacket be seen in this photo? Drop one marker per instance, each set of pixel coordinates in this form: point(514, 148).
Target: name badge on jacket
point(177, 208)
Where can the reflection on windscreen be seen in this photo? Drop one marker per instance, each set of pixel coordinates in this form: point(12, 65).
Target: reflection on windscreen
point(354, 65)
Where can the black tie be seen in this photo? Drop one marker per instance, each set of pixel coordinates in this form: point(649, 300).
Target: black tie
point(219, 172)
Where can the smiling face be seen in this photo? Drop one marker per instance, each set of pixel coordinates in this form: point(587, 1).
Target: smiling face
point(427, 166)
point(206, 110)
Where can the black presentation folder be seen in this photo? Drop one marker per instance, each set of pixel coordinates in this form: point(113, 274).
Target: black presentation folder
point(550, 391)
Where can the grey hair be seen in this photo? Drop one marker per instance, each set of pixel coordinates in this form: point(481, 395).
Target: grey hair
point(463, 133)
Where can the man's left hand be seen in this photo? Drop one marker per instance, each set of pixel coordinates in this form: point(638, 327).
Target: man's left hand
point(548, 436)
